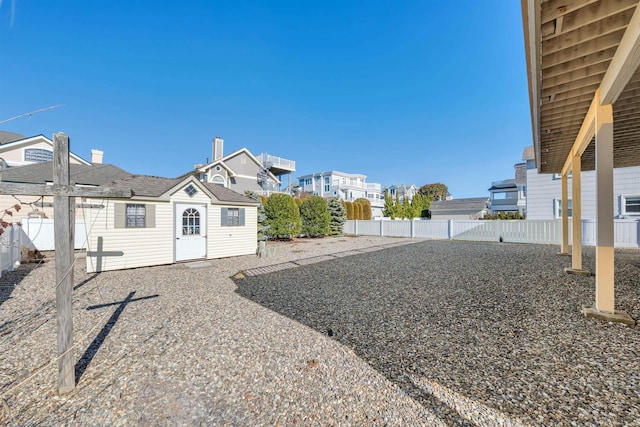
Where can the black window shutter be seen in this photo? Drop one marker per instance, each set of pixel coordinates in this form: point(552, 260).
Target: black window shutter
point(223, 218)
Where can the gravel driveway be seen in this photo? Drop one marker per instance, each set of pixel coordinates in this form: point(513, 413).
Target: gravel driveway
point(354, 331)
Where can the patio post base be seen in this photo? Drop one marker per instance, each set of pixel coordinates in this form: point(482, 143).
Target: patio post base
point(563, 254)
point(578, 271)
point(619, 316)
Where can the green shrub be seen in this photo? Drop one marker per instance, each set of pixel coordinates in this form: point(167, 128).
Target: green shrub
point(282, 216)
point(315, 217)
point(366, 208)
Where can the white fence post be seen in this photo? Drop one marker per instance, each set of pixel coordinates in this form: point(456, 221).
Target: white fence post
point(450, 229)
point(381, 227)
point(11, 248)
point(355, 227)
point(412, 232)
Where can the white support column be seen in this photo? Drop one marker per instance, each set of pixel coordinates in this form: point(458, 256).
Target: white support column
point(605, 298)
point(564, 247)
point(605, 289)
point(576, 220)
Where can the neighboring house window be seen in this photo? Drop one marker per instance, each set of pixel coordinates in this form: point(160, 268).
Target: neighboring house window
point(557, 208)
point(218, 180)
point(630, 205)
point(191, 222)
point(301, 182)
point(134, 215)
point(37, 155)
point(327, 184)
point(232, 217)
point(307, 181)
point(203, 177)
point(559, 175)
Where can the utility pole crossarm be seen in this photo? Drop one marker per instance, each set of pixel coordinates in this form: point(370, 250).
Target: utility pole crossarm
point(64, 190)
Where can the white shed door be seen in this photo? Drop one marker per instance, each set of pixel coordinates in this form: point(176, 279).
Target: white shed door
point(191, 232)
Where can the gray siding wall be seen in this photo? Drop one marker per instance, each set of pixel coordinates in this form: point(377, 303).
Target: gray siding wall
point(542, 189)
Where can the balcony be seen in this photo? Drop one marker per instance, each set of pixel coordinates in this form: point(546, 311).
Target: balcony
point(277, 165)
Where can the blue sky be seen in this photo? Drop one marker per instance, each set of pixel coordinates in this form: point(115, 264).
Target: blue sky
point(403, 92)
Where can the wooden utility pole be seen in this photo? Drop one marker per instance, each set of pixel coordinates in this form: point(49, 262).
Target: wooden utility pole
point(64, 221)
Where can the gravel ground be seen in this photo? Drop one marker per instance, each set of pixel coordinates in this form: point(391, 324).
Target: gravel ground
point(348, 331)
point(478, 333)
point(186, 349)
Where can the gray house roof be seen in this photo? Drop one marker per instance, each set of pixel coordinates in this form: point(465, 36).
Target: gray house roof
point(7, 137)
point(472, 204)
point(154, 186)
point(40, 173)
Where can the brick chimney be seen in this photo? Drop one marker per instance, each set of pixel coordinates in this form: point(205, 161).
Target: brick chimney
point(96, 156)
point(217, 148)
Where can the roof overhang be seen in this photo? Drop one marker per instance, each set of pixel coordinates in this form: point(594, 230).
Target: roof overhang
point(573, 50)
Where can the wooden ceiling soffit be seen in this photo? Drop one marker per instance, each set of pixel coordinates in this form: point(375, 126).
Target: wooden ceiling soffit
point(554, 9)
point(592, 31)
point(602, 59)
point(576, 84)
point(579, 50)
point(568, 102)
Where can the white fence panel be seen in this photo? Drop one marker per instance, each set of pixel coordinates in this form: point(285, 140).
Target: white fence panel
point(10, 244)
point(432, 229)
point(41, 235)
point(627, 232)
point(473, 230)
point(367, 228)
point(396, 228)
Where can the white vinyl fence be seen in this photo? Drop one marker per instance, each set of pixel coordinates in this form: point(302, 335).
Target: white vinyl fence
point(11, 240)
point(521, 231)
point(40, 233)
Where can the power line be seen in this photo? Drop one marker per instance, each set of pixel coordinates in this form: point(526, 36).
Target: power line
point(32, 112)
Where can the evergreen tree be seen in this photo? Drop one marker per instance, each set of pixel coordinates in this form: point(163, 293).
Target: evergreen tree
point(283, 216)
point(262, 217)
point(389, 209)
point(366, 208)
point(315, 217)
point(348, 207)
point(399, 207)
point(357, 211)
point(338, 217)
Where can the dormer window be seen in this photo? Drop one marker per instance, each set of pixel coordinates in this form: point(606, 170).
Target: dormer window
point(38, 155)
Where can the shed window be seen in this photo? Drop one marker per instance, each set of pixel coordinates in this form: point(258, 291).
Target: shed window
point(232, 217)
point(190, 190)
point(135, 216)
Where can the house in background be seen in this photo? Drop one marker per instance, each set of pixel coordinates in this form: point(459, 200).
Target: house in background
point(544, 192)
point(169, 220)
point(345, 186)
point(401, 190)
point(242, 171)
point(19, 150)
point(509, 195)
point(469, 208)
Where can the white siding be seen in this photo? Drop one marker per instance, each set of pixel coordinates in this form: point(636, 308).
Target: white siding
point(232, 241)
point(140, 247)
point(542, 189)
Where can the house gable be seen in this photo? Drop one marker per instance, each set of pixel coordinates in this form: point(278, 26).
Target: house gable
point(17, 153)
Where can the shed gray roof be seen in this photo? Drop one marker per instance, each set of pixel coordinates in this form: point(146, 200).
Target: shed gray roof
point(473, 204)
point(40, 173)
point(154, 186)
point(7, 137)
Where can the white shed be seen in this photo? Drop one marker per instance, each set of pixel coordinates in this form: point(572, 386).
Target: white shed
point(169, 220)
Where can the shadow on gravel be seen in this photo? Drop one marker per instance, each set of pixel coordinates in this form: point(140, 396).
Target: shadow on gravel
point(11, 279)
point(496, 324)
point(92, 349)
